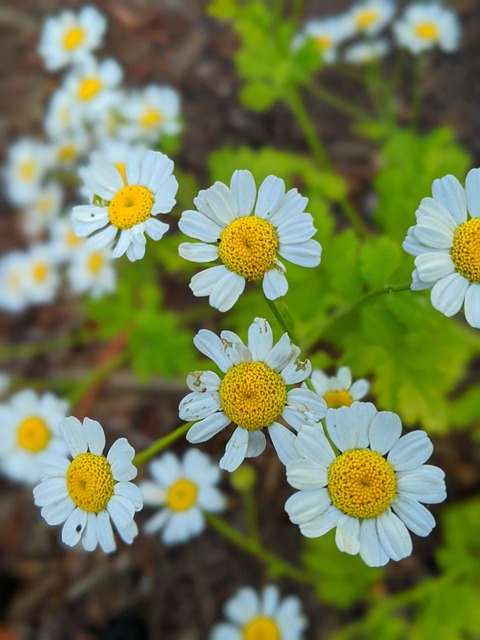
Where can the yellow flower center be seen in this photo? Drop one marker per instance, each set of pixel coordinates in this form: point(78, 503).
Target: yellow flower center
point(252, 395)
point(151, 118)
point(323, 43)
point(73, 38)
point(465, 251)
point(67, 152)
point(44, 203)
point(130, 206)
point(361, 483)
point(248, 246)
point(26, 170)
point(96, 260)
point(33, 434)
point(336, 399)
point(71, 240)
point(261, 628)
point(366, 18)
point(40, 272)
point(426, 31)
point(182, 495)
point(90, 482)
point(88, 88)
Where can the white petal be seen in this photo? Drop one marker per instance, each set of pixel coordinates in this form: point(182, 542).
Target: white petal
point(119, 451)
point(50, 491)
point(196, 406)
point(131, 492)
point(123, 243)
point(321, 524)
point(105, 533)
point(235, 450)
point(425, 484)
point(347, 534)
point(307, 504)
point(155, 229)
point(450, 193)
point(371, 550)
point(90, 536)
point(275, 284)
point(394, 536)
point(203, 381)
point(120, 510)
point(202, 283)
point(207, 428)
point(410, 451)
point(433, 233)
point(359, 389)
point(308, 403)
point(282, 439)
point(156, 522)
point(198, 251)
point(256, 444)
point(305, 254)
point(58, 512)
point(414, 515)
point(103, 238)
point(222, 202)
point(73, 527)
point(280, 353)
point(244, 191)
point(270, 196)
point(211, 346)
point(472, 188)
point(227, 291)
point(384, 431)
point(95, 436)
point(71, 431)
point(296, 371)
point(196, 225)
point(449, 293)
point(303, 474)
point(312, 443)
point(260, 339)
point(472, 305)
point(434, 266)
point(296, 230)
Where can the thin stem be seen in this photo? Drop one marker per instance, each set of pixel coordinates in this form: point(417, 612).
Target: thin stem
point(97, 376)
point(276, 566)
point(251, 516)
point(161, 444)
point(30, 350)
point(284, 319)
point(338, 103)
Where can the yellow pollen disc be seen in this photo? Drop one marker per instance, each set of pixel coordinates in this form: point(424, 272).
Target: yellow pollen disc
point(323, 43)
point(366, 18)
point(465, 251)
point(67, 152)
point(130, 206)
point(88, 88)
point(427, 31)
point(33, 434)
point(96, 260)
point(40, 272)
point(26, 170)
point(122, 171)
point(90, 482)
point(182, 495)
point(248, 246)
point(361, 483)
point(44, 204)
point(336, 399)
point(151, 118)
point(71, 239)
point(252, 395)
point(261, 628)
point(73, 38)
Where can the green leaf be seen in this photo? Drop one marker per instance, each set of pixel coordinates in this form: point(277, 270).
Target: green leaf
point(257, 95)
point(379, 258)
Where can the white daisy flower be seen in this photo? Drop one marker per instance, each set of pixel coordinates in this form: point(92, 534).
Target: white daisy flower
point(131, 196)
point(13, 289)
point(45, 207)
point(63, 242)
point(424, 26)
point(27, 163)
point(371, 16)
point(91, 271)
point(371, 490)
point(92, 87)
point(183, 489)
point(41, 274)
point(366, 52)
point(29, 428)
point(150, 113)
point(338, 391)
point(327, 34)
point(446, 242)
point(69, 148)
point(247, 242)
point(253, 393)
point(267, 616)
point(61, 116)
point(68, 38)
point(86, 490)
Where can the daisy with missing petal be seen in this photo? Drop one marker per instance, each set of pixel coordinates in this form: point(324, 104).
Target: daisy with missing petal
point(338, 391)
point(371, 490)
point(253, 393)
point(446, 243)
point(425, 26)
point(247, 241)
point(264, 616)
point(69, 37)
point(28, 429)
point(86, 490)
point(126, 200)
point(183, 490)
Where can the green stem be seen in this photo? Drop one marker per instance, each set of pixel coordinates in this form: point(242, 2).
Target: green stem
point(97, 375)
point(275, 565)
point(11, 352)
point(345, 311)
point(161, 444)
point(338, 103)
point(284, 319)
point(250, 507)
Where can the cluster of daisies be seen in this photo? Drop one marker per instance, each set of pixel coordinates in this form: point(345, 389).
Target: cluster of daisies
point(358, 36)
point(90, 115)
